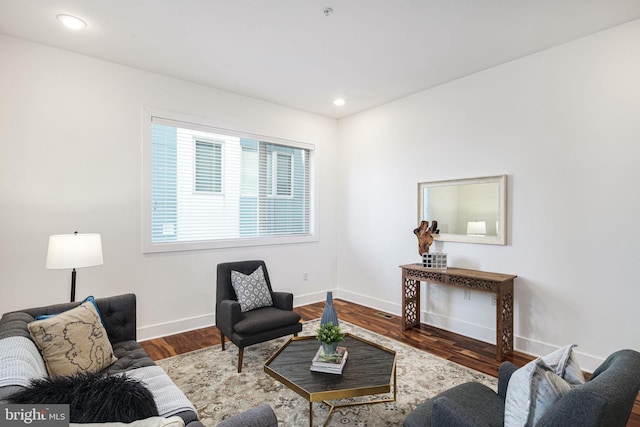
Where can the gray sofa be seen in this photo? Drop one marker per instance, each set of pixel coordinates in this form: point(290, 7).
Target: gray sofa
point(605, 400)
point(118, 314)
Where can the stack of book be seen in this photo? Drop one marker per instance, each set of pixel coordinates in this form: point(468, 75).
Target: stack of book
point(329, 363)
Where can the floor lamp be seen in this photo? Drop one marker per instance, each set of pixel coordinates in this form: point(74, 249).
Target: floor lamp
point(74, 251)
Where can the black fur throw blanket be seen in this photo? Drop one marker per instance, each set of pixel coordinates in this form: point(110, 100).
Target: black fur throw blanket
point(92, 398)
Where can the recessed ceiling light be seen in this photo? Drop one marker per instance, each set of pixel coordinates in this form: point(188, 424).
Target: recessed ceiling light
point(338, 102)
point(71, 22)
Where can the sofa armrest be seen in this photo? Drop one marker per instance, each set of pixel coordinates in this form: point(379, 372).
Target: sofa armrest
point(260, 416)
point(282, 300)
point(447, 413)
point(228, 315)
point(504, 375)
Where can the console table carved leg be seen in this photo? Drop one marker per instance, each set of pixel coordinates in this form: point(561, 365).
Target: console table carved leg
point(504, 316)
point(410, 302)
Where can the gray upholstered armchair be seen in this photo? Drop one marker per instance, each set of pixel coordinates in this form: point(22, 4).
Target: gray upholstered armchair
point(259, 416)
point(605, 400)
point(245, 328)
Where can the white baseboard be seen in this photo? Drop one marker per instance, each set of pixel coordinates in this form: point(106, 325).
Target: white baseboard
point(468, 329)
point(367, 301)
point(472, 330)
point(159, 330)
point(312, 298)
point(175, 327)
point(524, 345)
point(587, 362)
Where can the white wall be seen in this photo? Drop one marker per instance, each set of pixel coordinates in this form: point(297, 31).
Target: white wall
point(70, 159)
point(564, 125)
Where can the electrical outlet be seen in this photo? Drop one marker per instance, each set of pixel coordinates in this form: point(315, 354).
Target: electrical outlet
point(305, 276)
point(494, 300)
point(467, 294)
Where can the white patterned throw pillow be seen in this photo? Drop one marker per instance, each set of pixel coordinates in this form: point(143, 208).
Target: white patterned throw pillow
point(252, 291)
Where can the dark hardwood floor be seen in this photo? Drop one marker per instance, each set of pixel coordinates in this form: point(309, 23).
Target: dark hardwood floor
point(466, 351)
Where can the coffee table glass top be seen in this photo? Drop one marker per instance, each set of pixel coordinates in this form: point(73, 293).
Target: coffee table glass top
point(369, 369)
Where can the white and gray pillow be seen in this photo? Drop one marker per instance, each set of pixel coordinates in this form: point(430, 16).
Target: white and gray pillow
point(532, 390)
point(539, 384)
point(252, 291)
point(564, 363)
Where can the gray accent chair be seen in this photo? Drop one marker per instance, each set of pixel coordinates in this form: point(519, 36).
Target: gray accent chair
point(254, 326)
point(605, 400)
point(260, 416)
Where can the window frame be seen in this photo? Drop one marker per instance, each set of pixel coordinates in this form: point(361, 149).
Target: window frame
point(152, 115)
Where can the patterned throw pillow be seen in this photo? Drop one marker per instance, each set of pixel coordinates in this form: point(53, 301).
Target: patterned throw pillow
point(73, 342)
point(252, 291)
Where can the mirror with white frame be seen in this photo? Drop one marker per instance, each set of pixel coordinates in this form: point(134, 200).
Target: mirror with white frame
point(470, 210)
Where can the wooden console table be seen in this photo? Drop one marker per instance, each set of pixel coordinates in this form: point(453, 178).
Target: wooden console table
point(499, 284)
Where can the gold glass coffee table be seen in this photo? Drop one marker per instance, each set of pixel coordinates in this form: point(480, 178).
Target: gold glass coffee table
point(370, 370)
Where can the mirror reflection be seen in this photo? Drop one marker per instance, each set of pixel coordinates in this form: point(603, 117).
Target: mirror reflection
point(467, 210)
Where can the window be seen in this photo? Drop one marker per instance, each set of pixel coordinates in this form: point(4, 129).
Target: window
point(206, 188)
point(281, 174)
point(208, 167)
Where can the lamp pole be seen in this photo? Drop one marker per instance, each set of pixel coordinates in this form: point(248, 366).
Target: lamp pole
point(73, 285)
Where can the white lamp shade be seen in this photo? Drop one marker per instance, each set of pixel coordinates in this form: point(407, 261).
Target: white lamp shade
point(476, 227)
point(74, 250)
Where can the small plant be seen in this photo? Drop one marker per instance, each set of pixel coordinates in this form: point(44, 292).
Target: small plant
point(329, 333)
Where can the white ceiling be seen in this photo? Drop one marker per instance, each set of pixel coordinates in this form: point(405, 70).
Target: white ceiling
point(288, 52)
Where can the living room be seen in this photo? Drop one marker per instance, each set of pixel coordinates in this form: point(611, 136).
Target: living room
point(560, 123)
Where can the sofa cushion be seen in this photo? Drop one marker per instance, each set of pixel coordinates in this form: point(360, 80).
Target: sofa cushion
point(74, 341)
point(265, 319)
point(532, 390)
point(92, 398)
point(252, 290)
point(169, 399)
point(130, 355)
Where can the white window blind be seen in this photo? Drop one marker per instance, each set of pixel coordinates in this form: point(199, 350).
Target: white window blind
point(212, 185)
point(208, 167)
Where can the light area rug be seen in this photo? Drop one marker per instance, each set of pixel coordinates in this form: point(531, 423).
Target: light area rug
point(210, 380)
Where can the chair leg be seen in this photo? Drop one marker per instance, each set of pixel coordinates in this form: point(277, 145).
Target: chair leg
point(295, 335)
point(240, 354)
point(222, 340)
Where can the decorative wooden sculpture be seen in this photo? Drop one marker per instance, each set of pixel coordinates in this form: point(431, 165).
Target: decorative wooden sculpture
point(425, 235)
